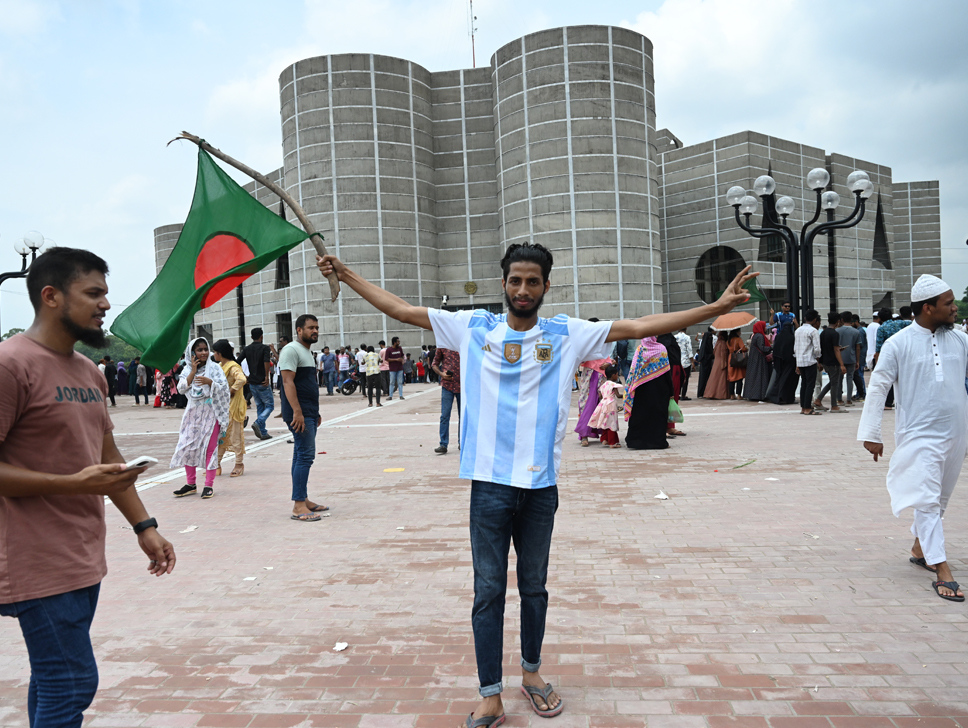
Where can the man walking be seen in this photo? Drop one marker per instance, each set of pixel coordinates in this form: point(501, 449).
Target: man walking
point(516, 372)
point(327, 365)
point(833, 364)
point(140, 381)
point(806, 348)
point(447, 365)
point(372, 365)
point(394, 358)
point(299, 398)
point(860, 385)
point(58, 461)
point(927, 363)
point(258, 357)
point(850, 353)
point(384, 369)
point(685, 348)
point(111, 376)
point(872, 339)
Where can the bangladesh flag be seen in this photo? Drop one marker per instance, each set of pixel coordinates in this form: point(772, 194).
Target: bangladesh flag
point(227, 237)
point(754, 290)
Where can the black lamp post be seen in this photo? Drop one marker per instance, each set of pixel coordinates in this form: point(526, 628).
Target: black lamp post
point(799, 256)
point(32, 242)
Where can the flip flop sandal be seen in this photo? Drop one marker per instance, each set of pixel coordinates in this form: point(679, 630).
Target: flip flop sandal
point(922, 563)
point(307, 517)
point(953, 585)
point(488, 721)
point(530, 691)
point(814, 413)
point(319, 509)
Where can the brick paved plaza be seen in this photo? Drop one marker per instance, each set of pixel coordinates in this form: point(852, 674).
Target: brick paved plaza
point(771, 590)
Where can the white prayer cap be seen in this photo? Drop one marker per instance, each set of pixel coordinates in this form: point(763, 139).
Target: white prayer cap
point(927, 287)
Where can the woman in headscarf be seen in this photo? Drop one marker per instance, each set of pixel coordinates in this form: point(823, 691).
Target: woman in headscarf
point(705, 357)
point(757, 366)
point(735, 374)
point(716, 387)
point(675, 362)
point(122, 378)
point(784, 391)
point(234, 439)
point(588, 383)
point(207, 413)
point(647, 395)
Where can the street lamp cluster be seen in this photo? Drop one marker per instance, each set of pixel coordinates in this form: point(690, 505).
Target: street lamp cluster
point(31, 243)
point(799, 257)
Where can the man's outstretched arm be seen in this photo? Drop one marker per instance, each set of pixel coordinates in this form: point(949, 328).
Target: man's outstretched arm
point(393, 306)
point(664, 323)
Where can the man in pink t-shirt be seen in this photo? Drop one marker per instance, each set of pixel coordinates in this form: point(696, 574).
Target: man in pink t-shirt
point(57, 462)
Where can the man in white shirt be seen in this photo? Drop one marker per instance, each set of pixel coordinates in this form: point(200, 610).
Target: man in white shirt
point(685, 346)
point(806, 348)
point(927, 363)
point(872, 339)
point(516, 373)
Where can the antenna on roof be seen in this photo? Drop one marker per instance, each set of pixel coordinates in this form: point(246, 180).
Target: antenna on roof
point(472, 25)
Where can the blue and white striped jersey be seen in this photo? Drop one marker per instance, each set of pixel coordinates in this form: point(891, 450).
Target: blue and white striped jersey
point(516, 391)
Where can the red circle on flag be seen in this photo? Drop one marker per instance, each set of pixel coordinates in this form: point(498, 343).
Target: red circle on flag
point(221, 253)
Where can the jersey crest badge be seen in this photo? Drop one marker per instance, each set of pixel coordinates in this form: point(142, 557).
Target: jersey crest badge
point(544, 353)
point(512, 352)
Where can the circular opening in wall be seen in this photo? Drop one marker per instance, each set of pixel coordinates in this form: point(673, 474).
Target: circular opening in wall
point(715, 270)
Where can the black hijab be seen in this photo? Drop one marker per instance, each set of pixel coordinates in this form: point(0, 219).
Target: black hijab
point(672, 346)
point(706, 347)
point(783, 344)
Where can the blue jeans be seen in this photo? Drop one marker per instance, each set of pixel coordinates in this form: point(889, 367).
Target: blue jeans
point(499, 515)
point(859, 384)
point(396, 380)
point(303, 455)
point(330, 379)
point(264, 403)
point(626, 366)
point(138, 391)
point(63, 672)
point(447, 399)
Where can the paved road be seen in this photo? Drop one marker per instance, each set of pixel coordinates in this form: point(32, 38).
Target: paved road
point(771, 590)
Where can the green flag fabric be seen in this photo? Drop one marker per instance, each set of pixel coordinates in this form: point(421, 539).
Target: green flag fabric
point(756, 294)
point(227, 237)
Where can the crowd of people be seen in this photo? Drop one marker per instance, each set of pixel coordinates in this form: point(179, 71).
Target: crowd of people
point(514, 372)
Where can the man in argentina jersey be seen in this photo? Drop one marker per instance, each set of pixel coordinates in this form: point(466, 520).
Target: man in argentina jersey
point(516, 374)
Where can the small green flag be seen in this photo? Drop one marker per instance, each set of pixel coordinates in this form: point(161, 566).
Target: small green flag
point(756, 294)
point(227, 237)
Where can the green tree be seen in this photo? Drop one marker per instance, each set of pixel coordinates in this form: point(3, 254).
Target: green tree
point(10, 333)
point(118, 350)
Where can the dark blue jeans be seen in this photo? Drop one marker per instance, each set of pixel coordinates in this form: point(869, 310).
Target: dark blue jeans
point(303, 455)
point(262, 394)
point(447, 400)
point(500, 515)
point(63, 673)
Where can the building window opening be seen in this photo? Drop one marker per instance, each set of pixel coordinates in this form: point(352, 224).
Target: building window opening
point(716, 269)
point(284, 325)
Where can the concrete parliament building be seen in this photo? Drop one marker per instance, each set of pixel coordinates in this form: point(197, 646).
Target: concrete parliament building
point(420, 180)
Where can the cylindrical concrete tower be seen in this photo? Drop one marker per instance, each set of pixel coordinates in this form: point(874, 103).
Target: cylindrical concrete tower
point(358, 156)
point(574, 113)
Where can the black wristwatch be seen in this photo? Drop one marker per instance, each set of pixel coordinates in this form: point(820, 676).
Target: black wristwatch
point(145, 525)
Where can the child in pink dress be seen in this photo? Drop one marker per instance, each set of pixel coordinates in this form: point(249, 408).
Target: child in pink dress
point(605, 416)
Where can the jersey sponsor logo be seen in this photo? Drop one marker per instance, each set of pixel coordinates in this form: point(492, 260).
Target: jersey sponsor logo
point(512, 352)
point(534, 468)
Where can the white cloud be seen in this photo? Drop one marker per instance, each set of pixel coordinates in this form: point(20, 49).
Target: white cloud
point(26, 17)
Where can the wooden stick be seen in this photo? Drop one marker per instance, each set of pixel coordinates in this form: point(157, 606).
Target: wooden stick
point(314, 237)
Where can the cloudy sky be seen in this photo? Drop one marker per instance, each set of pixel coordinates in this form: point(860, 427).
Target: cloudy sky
point(91, 90)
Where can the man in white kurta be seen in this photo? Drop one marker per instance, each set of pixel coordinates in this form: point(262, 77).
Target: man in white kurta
point(927, 364)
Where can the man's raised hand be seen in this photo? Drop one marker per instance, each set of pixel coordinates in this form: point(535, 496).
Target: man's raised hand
point(328, 264)
point(735, 295)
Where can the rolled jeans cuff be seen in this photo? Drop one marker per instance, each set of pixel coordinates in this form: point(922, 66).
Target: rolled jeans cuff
point(529, 666)
point(490, 690)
